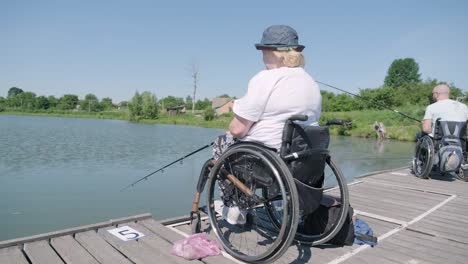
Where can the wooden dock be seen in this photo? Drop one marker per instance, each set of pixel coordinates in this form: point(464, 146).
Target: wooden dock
point(416, 221)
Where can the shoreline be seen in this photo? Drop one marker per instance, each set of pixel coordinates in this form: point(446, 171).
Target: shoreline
point(397, 128)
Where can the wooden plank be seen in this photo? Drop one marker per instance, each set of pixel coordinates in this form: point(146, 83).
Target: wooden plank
point(135, 250)
point(161, 230)
point(12, 255)
point(412, 252)
point(71, 231)
point(100, 249)
point(41, 252)
point(71, 251)
point(388, 190)
point(416, 200)
point(172, 237)
point(429, 245)
point(157, 242)
point(454, 187)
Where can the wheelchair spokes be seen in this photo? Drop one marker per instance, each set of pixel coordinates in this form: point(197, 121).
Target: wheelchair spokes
point(423, 161)
point(240, 221)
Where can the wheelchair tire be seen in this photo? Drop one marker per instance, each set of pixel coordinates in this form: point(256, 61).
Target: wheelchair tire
point(260, 169)
point(462, 175)
point(335, 184)
point(424, 158)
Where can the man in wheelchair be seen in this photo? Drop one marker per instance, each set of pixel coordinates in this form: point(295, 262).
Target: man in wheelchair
point(442, 144)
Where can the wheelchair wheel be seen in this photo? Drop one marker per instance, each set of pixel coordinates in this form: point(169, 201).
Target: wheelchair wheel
point(424, 158)
point(462, 175)
point(252, 239)
point(334, 186)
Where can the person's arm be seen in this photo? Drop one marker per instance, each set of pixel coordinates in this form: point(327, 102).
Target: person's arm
point(427, 120)
point(427, 126)
point(239, 127)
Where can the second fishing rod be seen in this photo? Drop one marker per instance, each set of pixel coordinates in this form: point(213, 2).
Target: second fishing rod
point(371, 101)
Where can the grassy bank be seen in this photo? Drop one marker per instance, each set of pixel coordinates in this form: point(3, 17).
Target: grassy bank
point(398, 127)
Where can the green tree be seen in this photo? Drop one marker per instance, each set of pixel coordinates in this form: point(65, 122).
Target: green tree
point(402, 71)
point(149, 105)
point(376, 98)
point(327, 98)
point(26, 100)
point(90, 103)
point(209, 114)
point(188, 101)
point(42, 103)
point(203, 104)
point(53, 102)
point(68, 102)
point(13, 91)
point(3, 102)
point(135, 107)
point(172, 101)
point(342, 103)
point(106, 104)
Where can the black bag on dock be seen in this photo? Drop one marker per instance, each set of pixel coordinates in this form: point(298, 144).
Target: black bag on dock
point(322, 219)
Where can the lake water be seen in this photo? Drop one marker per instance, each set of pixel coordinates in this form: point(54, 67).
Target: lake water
point(57, 173)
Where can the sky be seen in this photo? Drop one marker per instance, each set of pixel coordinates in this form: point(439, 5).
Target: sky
point(115, 48)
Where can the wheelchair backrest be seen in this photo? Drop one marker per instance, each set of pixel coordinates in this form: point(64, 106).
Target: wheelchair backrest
point(309, 169)
point(450, 132)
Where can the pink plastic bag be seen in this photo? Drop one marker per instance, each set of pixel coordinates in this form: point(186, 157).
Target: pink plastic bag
point(196, 246)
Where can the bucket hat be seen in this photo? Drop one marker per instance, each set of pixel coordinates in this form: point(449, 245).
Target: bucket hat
point(280, 37)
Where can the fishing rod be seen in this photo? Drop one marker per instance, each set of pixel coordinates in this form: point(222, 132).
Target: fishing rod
point(377, 103)
point(162, 168)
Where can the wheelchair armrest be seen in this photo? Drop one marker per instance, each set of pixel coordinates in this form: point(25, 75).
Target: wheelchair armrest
point(335, 122)
point(305, 153)
point(298, 118)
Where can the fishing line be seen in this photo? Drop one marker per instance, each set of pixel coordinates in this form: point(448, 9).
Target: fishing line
point(371, 101)
point(162, 168)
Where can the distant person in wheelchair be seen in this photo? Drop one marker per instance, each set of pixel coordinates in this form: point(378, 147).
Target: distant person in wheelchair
point(441, 145)
point(275, 94)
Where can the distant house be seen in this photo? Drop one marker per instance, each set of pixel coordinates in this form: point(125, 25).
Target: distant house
point(222, 105)
point(176, 110)
point(122, 105)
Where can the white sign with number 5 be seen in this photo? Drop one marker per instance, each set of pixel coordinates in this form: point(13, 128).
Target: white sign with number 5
point(126, 233)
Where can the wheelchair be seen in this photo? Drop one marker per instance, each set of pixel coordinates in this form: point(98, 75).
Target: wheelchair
point(276, 192)
point(433, 154)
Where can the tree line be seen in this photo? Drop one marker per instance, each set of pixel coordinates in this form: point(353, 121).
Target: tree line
point(402, 87)
point(144, 105)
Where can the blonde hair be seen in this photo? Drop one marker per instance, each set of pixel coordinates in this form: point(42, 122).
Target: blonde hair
point(291, 58)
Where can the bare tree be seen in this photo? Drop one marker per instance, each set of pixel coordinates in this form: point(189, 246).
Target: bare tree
point(194, 69)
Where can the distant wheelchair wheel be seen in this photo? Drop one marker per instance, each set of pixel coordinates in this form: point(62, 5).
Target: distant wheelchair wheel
point(424, 158)
point(334, 186)
point(238, 219)
point(462, 175)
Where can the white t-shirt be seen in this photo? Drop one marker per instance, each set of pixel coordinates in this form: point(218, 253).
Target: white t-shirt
point(274, 96)
point(447, 110)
